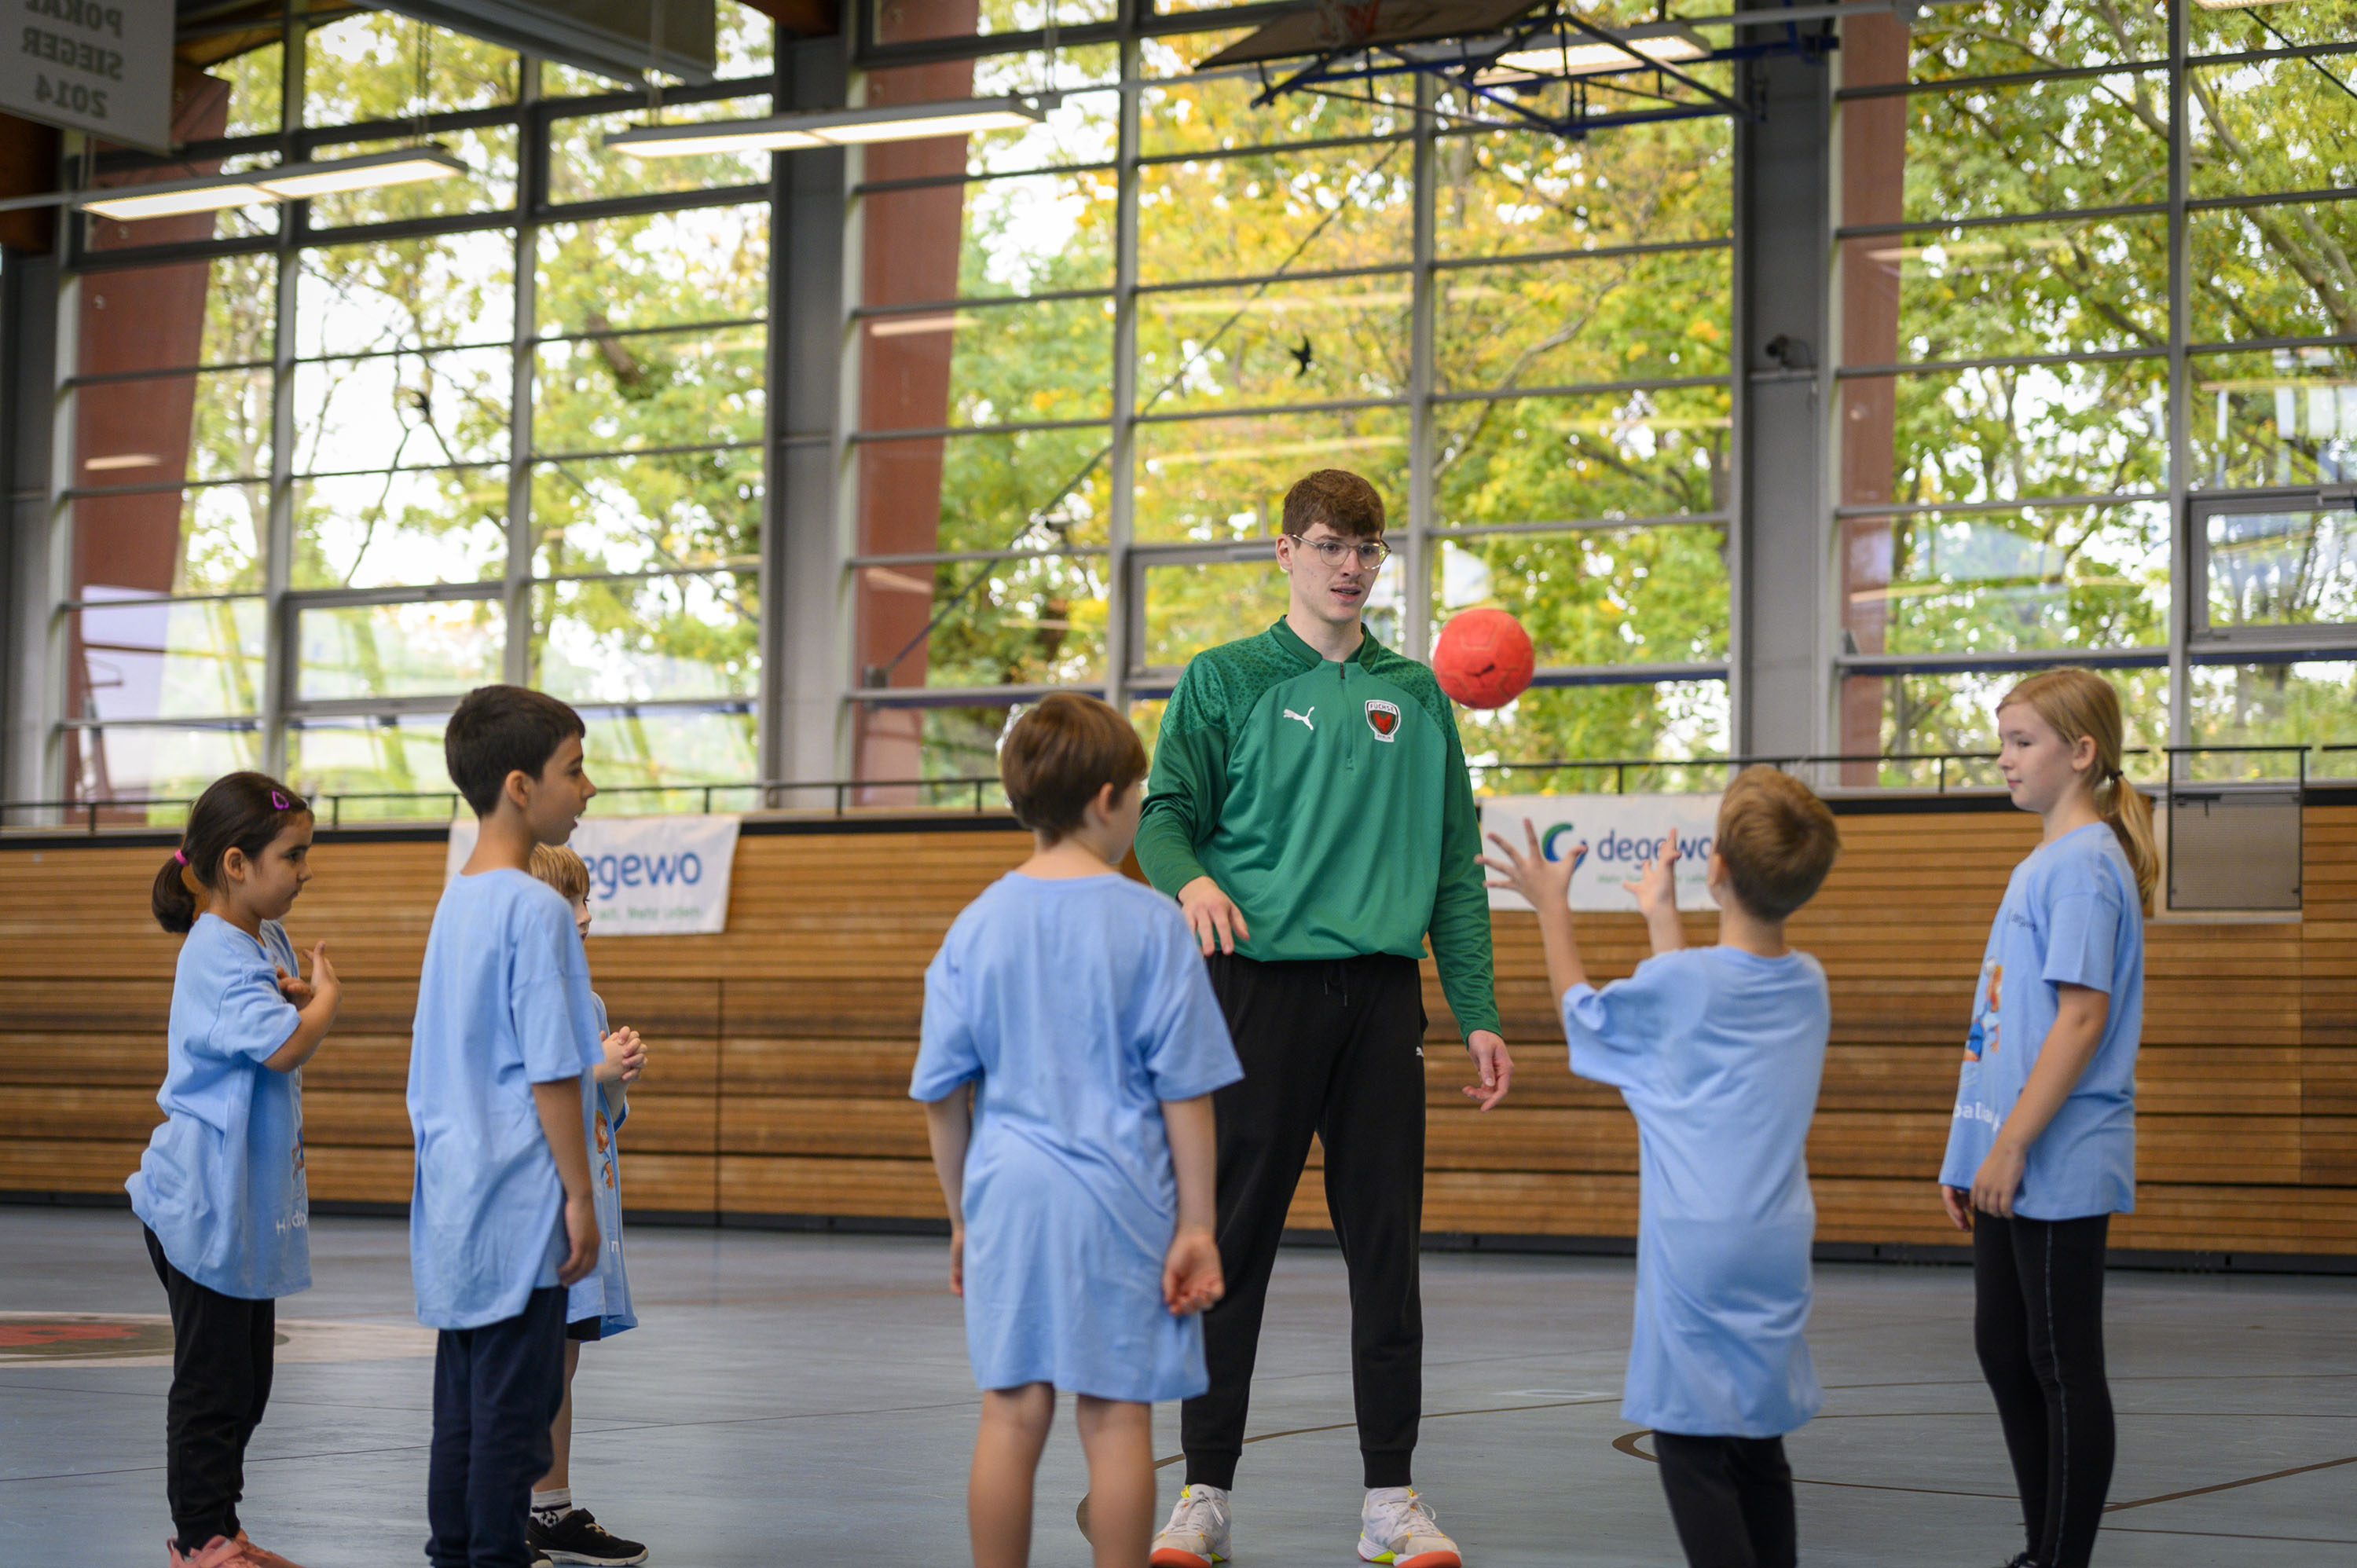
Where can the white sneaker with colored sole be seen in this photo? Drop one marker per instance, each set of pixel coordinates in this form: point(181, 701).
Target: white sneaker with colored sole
point(1397, 1527)
point(1196, 1535)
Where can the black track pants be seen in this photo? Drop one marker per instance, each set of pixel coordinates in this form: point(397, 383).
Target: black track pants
point(1731, 1499)
point(1335, 1049)
point(496, 1388)
point(2038, 1324)
point(222, 1349)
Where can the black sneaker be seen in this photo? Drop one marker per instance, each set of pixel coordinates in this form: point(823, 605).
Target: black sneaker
point(576, 1537)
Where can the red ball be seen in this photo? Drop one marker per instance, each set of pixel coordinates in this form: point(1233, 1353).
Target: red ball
point(1483, 658)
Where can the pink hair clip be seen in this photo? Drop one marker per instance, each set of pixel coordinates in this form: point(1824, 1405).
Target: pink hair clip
point(181, 855)
point(279, 803)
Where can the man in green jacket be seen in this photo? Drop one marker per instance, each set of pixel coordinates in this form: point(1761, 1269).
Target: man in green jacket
point(1310, 812)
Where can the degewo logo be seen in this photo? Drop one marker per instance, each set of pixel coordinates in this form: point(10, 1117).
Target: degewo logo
point(612, 873)
point(648, 875)
point(1553, 844)
point(1610, 841)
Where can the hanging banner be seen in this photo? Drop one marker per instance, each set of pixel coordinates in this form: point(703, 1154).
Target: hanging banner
point(1622, 834)
point(100, 66)
point(649, 876)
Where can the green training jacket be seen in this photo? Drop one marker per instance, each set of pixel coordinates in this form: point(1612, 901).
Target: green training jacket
point(1330, 802)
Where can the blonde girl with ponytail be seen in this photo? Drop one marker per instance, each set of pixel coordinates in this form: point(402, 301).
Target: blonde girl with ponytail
point(2041, 1151)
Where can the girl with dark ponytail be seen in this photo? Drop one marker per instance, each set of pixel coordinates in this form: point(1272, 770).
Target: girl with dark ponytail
point(221, 1189)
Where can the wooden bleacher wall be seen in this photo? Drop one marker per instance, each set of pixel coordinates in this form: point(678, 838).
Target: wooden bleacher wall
point(781, 1049)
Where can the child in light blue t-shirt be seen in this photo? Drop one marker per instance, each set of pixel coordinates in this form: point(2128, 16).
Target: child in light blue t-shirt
point(219, 1190)
point(1078, 1172)
point(503, 1102)
point(599, 1306)
point(1717, 1052)
point(2041, 1151)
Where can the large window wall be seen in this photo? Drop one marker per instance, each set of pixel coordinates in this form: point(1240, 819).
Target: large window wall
point(335, 462)
point(2099, 367)
point(324, 466)
point(1089, 358)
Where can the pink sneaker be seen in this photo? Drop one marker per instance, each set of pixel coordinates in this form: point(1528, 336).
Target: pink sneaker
point(262, 1556)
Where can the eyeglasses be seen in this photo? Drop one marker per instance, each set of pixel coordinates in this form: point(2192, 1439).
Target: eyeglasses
point(1371, 553)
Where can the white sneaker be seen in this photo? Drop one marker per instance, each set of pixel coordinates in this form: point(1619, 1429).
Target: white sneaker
point(1397, 1527)
point(1196, 1535)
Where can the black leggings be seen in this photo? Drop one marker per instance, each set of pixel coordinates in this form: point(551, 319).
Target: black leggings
point(1731, 1499)
point(222, 1351)
point(2038, 1324)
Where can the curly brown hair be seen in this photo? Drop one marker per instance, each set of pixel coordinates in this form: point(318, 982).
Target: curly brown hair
point(1340, 499)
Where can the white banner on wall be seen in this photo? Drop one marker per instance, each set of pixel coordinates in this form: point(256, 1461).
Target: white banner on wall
point(100, 66)
point(649, 876)
point(1622, 832)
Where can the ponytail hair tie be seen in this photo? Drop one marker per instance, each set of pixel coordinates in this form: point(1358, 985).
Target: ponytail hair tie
point(279, 803)
point(181, 855)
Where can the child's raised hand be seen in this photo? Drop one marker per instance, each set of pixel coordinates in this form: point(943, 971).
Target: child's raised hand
point(294, 988)
point(1191, 1279)
point(1657, 890)
point(1545, 883)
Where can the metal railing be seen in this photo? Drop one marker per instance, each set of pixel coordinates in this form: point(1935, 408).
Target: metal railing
point(839, 795)
point(974, 794)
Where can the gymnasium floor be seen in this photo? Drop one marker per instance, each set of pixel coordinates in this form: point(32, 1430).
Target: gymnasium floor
point(805, 1399)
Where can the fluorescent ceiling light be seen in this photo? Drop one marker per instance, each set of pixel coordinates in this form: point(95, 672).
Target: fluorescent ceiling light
point(1661, 43)
point(125, 461)
point(173, 198)
point(402, 166)
point(915, 325)
point(720, 136)
point(2233, 4)
point(836, 127)
point(288, 182)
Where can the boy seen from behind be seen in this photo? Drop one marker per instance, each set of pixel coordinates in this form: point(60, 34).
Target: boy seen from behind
point(501, 1092)
point(1717, 1051)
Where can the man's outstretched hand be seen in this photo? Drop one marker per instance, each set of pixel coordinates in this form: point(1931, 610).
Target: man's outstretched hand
point(1489, 1053)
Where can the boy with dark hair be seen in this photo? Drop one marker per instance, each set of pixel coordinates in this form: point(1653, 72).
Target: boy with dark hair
point(1717, 1051)
point(501, 1218)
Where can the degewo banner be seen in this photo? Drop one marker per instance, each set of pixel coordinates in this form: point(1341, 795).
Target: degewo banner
point(1622, 832)
point(649, 876)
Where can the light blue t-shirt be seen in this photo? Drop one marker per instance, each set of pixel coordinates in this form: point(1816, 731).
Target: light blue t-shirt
point(502, 1004)
point(2072, 916)
point(1080, 1005)
point(222, 1182)
point(1717, 1052)
point(604, 1292)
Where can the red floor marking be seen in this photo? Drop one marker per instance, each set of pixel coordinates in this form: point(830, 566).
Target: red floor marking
point(14, 1336)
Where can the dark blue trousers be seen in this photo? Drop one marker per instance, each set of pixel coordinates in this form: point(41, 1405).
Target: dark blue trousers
point(496, 1388)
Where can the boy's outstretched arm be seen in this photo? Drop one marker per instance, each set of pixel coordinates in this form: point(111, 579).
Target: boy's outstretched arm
point(949, 1127)
point(558, 1102)
point(1192, 1278)
point(1545, 884)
